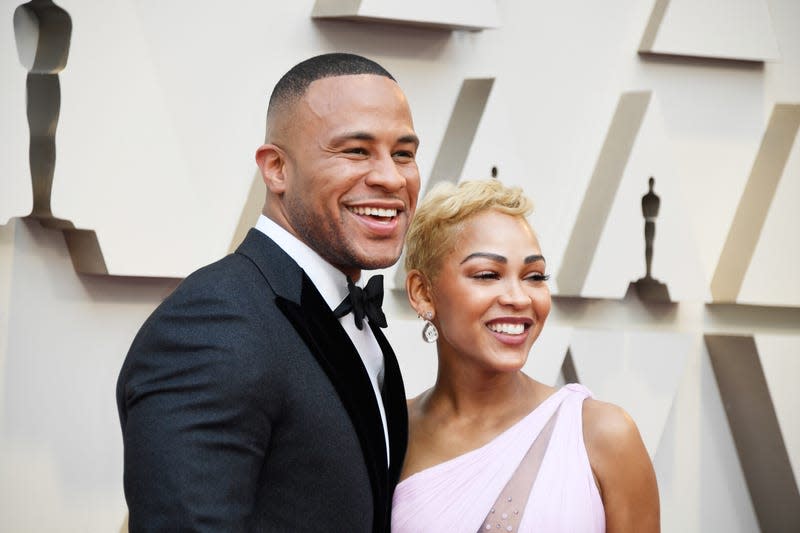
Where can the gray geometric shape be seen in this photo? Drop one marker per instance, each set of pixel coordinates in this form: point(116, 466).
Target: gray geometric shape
point(460, 132)
point(568, 369)
point(653, 23)
point(474, 15)
point(751, 213)
point(736, 30)
point(601, 191)
point(641, 371)
point(756, 432)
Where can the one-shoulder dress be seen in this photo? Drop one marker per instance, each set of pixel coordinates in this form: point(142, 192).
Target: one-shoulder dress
point(533, 477)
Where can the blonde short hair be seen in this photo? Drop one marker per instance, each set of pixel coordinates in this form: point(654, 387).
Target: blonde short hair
point(440, 216)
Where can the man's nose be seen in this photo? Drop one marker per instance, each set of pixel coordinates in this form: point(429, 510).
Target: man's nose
point(385, 173)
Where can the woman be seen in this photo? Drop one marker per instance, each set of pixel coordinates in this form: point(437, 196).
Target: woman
point(489, 447)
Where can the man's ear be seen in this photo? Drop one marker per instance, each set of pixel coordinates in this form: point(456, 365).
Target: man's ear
point(271, 162)
point(419, 292)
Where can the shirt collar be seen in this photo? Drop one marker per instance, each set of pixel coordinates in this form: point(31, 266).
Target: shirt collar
point(329, 280)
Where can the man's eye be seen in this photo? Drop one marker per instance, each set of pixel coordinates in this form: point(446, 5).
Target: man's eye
point(357, 151)
point(404, 154)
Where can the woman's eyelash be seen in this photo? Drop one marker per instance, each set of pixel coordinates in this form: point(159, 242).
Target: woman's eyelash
point(494, 275)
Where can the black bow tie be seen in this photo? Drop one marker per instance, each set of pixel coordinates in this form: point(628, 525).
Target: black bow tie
point(364, 302)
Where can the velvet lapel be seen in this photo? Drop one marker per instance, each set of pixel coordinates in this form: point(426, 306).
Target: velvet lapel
point(327, 340)
point(394, 403)
point(324, 336)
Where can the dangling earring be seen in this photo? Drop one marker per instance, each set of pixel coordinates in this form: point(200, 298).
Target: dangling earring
point(429, 331)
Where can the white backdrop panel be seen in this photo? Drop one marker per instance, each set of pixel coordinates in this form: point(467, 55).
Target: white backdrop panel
point(639, 371)
point(619, 258)
point(730, 29)
point(772, 277)
point(700, 480)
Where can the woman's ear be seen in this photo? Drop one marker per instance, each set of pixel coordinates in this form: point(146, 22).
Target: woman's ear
point(419, 292)
point(271, 162)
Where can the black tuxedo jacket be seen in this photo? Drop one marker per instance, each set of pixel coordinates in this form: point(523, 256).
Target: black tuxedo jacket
point(245, 407)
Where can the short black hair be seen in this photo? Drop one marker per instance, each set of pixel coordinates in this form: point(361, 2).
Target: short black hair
point(294, 83)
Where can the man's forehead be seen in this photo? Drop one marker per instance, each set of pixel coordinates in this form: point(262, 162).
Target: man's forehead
point(336, 93)
point(352, 86)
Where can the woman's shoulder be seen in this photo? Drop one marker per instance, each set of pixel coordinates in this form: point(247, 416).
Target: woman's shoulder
point(607, 425)
point(616, 452)
point(622, 467)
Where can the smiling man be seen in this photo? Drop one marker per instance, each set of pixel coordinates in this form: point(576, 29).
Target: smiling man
point(251, 400)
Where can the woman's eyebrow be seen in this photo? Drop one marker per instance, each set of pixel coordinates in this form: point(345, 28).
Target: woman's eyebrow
point(494, 257)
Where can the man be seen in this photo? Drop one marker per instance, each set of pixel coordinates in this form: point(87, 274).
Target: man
point(246, 404)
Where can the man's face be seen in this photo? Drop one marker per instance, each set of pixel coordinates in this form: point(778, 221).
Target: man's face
point(351, 178)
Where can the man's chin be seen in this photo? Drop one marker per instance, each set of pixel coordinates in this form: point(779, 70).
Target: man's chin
point(376, 259)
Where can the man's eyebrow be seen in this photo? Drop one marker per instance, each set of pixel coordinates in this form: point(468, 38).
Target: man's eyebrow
point(353, 136)
point(533, 259)
point(366, 136)
point(410, 138)
point(494, 257)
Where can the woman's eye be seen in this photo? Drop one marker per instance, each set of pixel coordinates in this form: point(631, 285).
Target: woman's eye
point(538, 277)
point(486, 275)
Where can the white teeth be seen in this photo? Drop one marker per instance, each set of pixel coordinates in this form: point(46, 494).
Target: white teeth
point(374, 211)
point(509, 329)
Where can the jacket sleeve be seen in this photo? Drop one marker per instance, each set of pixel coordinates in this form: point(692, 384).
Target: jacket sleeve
point(191, 402)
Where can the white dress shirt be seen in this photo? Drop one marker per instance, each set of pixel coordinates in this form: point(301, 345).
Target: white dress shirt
point(332, 285)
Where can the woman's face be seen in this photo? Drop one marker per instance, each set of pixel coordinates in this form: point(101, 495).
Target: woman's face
point(490, 295)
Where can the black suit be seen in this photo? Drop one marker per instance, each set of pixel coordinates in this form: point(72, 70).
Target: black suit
point(245, 407)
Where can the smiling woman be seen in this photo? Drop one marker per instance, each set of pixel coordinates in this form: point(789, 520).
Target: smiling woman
point(489, 447)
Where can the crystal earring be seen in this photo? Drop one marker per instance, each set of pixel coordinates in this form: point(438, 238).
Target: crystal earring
point(429, 331)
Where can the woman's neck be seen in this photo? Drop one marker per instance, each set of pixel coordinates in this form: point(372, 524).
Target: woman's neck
point(464, 394)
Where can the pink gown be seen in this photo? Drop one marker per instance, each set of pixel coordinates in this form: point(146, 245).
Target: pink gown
point(469, 493)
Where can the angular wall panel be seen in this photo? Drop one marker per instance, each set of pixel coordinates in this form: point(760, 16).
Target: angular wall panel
point(769, 169)
point(639, 371)
point(606, 249)
point(700, 480)
point(771, 277)
point(445, 14)
point(756, 431)
point(734, 29)
point(600, 193)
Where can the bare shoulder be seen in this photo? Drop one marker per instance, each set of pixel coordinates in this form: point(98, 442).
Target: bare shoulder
point(607, 426)
point(622, 468)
